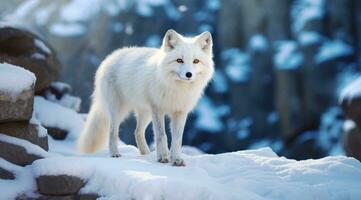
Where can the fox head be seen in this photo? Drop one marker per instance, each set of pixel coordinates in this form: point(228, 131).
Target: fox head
point(187, 59)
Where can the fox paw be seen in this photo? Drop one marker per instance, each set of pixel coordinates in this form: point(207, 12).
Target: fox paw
point(115, 155)
point(178, 162)
point(163, 160)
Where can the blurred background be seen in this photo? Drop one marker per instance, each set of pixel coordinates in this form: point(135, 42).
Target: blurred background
point(281, 65)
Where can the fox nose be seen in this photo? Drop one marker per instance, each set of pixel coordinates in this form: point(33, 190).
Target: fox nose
point(188, 74)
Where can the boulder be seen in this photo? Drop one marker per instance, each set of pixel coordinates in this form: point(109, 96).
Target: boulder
point(46, 197)
point(5, 174)
point(57, 133)
point(19, 151)
point(350, 101)
point(16, 93)
point(352, 140)
point(27, 131)
point(59, 184)
point(87, 196)
point(23, 48)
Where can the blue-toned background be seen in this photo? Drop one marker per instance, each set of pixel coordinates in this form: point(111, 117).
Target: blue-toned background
point(280, 64)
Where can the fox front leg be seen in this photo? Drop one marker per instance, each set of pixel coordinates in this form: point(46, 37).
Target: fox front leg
point(160, 136)
point(177, 128)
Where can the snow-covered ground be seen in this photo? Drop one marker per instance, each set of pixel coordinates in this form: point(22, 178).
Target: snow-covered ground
point(253, 174)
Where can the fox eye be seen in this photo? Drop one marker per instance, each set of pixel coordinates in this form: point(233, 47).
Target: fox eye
point(179, 60)
point(195, 61)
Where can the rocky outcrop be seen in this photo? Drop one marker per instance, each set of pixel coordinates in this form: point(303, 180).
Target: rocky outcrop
point(21, 136)
point(16, 108)
point(59, 184)
point(34, 54)
point(350, 102)
point(17, 153)
point(33, 133)
point(352, 140)
point(5, 174)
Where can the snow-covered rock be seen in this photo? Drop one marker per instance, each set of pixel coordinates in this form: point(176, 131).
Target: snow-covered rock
point(16, 93)
point(19, 151)
point(52, 115)
point(23, 48)
point(350, 100)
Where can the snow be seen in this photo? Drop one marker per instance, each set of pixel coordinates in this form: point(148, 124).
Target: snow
point(332, 50)
point(209, 116)
point(67, 30)
point(40, 44)
point(303, 11)
point(38, 56)
point(54, 115)
point(80, 10)
point(29, 147)
point(182, 8)
point(258, 42)
point(307, 38)
point(348, 125)
point(24, 182)
point(287, 56)
point(237, 67)
point(42, 132)
point(14, 79)
point(253, 174)
point(351, 91)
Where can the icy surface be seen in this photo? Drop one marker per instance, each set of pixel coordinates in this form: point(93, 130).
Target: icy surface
point(254, 174)
point(287, 56)
point(56, 116)
point(14, 79)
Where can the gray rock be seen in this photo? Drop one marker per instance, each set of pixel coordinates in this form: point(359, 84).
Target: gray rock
point(16, 108)
point(23, 48)
point(59, 184)
point(57, 133)
point(16, 154)
point(5, 174)
point(46, 197)
point(25, 130)
point(87, 196)
point(352, 142)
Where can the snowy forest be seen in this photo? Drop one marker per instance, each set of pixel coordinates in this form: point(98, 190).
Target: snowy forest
point(286, 86)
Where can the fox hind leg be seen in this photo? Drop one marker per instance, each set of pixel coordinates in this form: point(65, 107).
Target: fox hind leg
point(143, 120)
point(117, 116)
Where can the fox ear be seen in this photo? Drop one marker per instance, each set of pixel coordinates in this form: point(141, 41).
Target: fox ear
point(170, 40)
point(205, 41)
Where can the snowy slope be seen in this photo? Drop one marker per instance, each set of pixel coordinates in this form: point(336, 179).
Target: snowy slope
point(254, 174)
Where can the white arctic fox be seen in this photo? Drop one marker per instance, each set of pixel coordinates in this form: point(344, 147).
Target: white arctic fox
point(151, 82)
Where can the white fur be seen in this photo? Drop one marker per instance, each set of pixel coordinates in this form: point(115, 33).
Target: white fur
point(152, 84)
